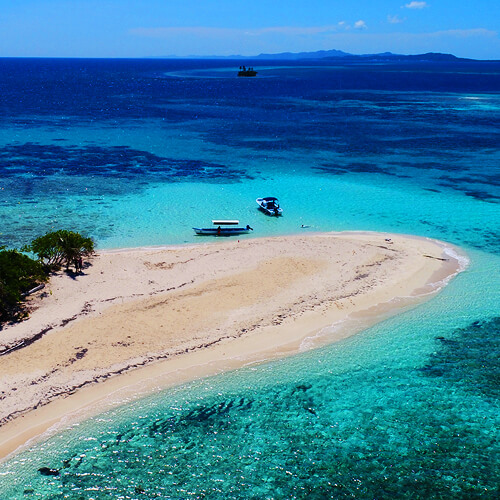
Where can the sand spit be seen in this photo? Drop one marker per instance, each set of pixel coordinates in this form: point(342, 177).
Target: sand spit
point(186, 312)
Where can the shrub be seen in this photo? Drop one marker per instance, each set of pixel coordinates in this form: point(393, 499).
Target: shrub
point(18, 274)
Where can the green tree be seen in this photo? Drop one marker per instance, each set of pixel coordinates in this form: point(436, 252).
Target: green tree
point(61, 247)
point(18, 274)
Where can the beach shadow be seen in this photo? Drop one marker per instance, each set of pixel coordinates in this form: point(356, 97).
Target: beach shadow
point(72, 274)
point(75, 274)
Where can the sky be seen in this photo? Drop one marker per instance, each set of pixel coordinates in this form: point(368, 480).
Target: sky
point(156, 28)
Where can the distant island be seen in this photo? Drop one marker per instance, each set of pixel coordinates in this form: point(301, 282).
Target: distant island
point(340, 56)
point(345, 57)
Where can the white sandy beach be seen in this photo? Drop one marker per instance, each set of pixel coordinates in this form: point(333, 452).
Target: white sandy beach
point(143, 318)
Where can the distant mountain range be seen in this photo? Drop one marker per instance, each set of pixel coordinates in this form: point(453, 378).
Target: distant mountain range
point(339, 55)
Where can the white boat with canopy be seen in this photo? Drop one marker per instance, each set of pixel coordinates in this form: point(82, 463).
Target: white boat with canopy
point(270, 205)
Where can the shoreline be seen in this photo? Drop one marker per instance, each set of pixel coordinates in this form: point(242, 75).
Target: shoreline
point(220, 282)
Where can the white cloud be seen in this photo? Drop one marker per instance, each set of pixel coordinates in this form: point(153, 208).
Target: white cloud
point(475, 32)
point(327, 31)
point(344, 26)
point(296, 30)
point(199, 40)
point(203, 31)
point(394, 19)
point(416, 5)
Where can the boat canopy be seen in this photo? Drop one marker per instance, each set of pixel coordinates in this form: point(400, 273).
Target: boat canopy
point(225, 222)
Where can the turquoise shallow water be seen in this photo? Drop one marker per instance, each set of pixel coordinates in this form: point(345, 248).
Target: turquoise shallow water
point(406, 409)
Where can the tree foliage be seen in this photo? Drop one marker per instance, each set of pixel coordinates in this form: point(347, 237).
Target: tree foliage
point(18, 274)
point(61, 247)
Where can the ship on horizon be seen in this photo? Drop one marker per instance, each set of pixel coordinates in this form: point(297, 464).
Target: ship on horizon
point(244, 71)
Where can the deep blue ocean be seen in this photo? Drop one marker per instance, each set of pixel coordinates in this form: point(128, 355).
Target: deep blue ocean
point(137, 152)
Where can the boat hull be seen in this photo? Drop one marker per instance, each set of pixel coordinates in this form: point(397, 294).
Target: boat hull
point(273, 213)
point(223, 231)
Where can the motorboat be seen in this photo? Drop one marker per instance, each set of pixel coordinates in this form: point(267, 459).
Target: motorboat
point(223, 228)
point(270, 205)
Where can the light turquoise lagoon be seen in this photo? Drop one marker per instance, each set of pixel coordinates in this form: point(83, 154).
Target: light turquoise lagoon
point(406, 409)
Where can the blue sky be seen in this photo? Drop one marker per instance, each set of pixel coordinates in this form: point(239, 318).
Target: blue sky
point(134, 28)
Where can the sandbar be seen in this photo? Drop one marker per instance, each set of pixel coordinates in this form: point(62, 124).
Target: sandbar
point(138, 320)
